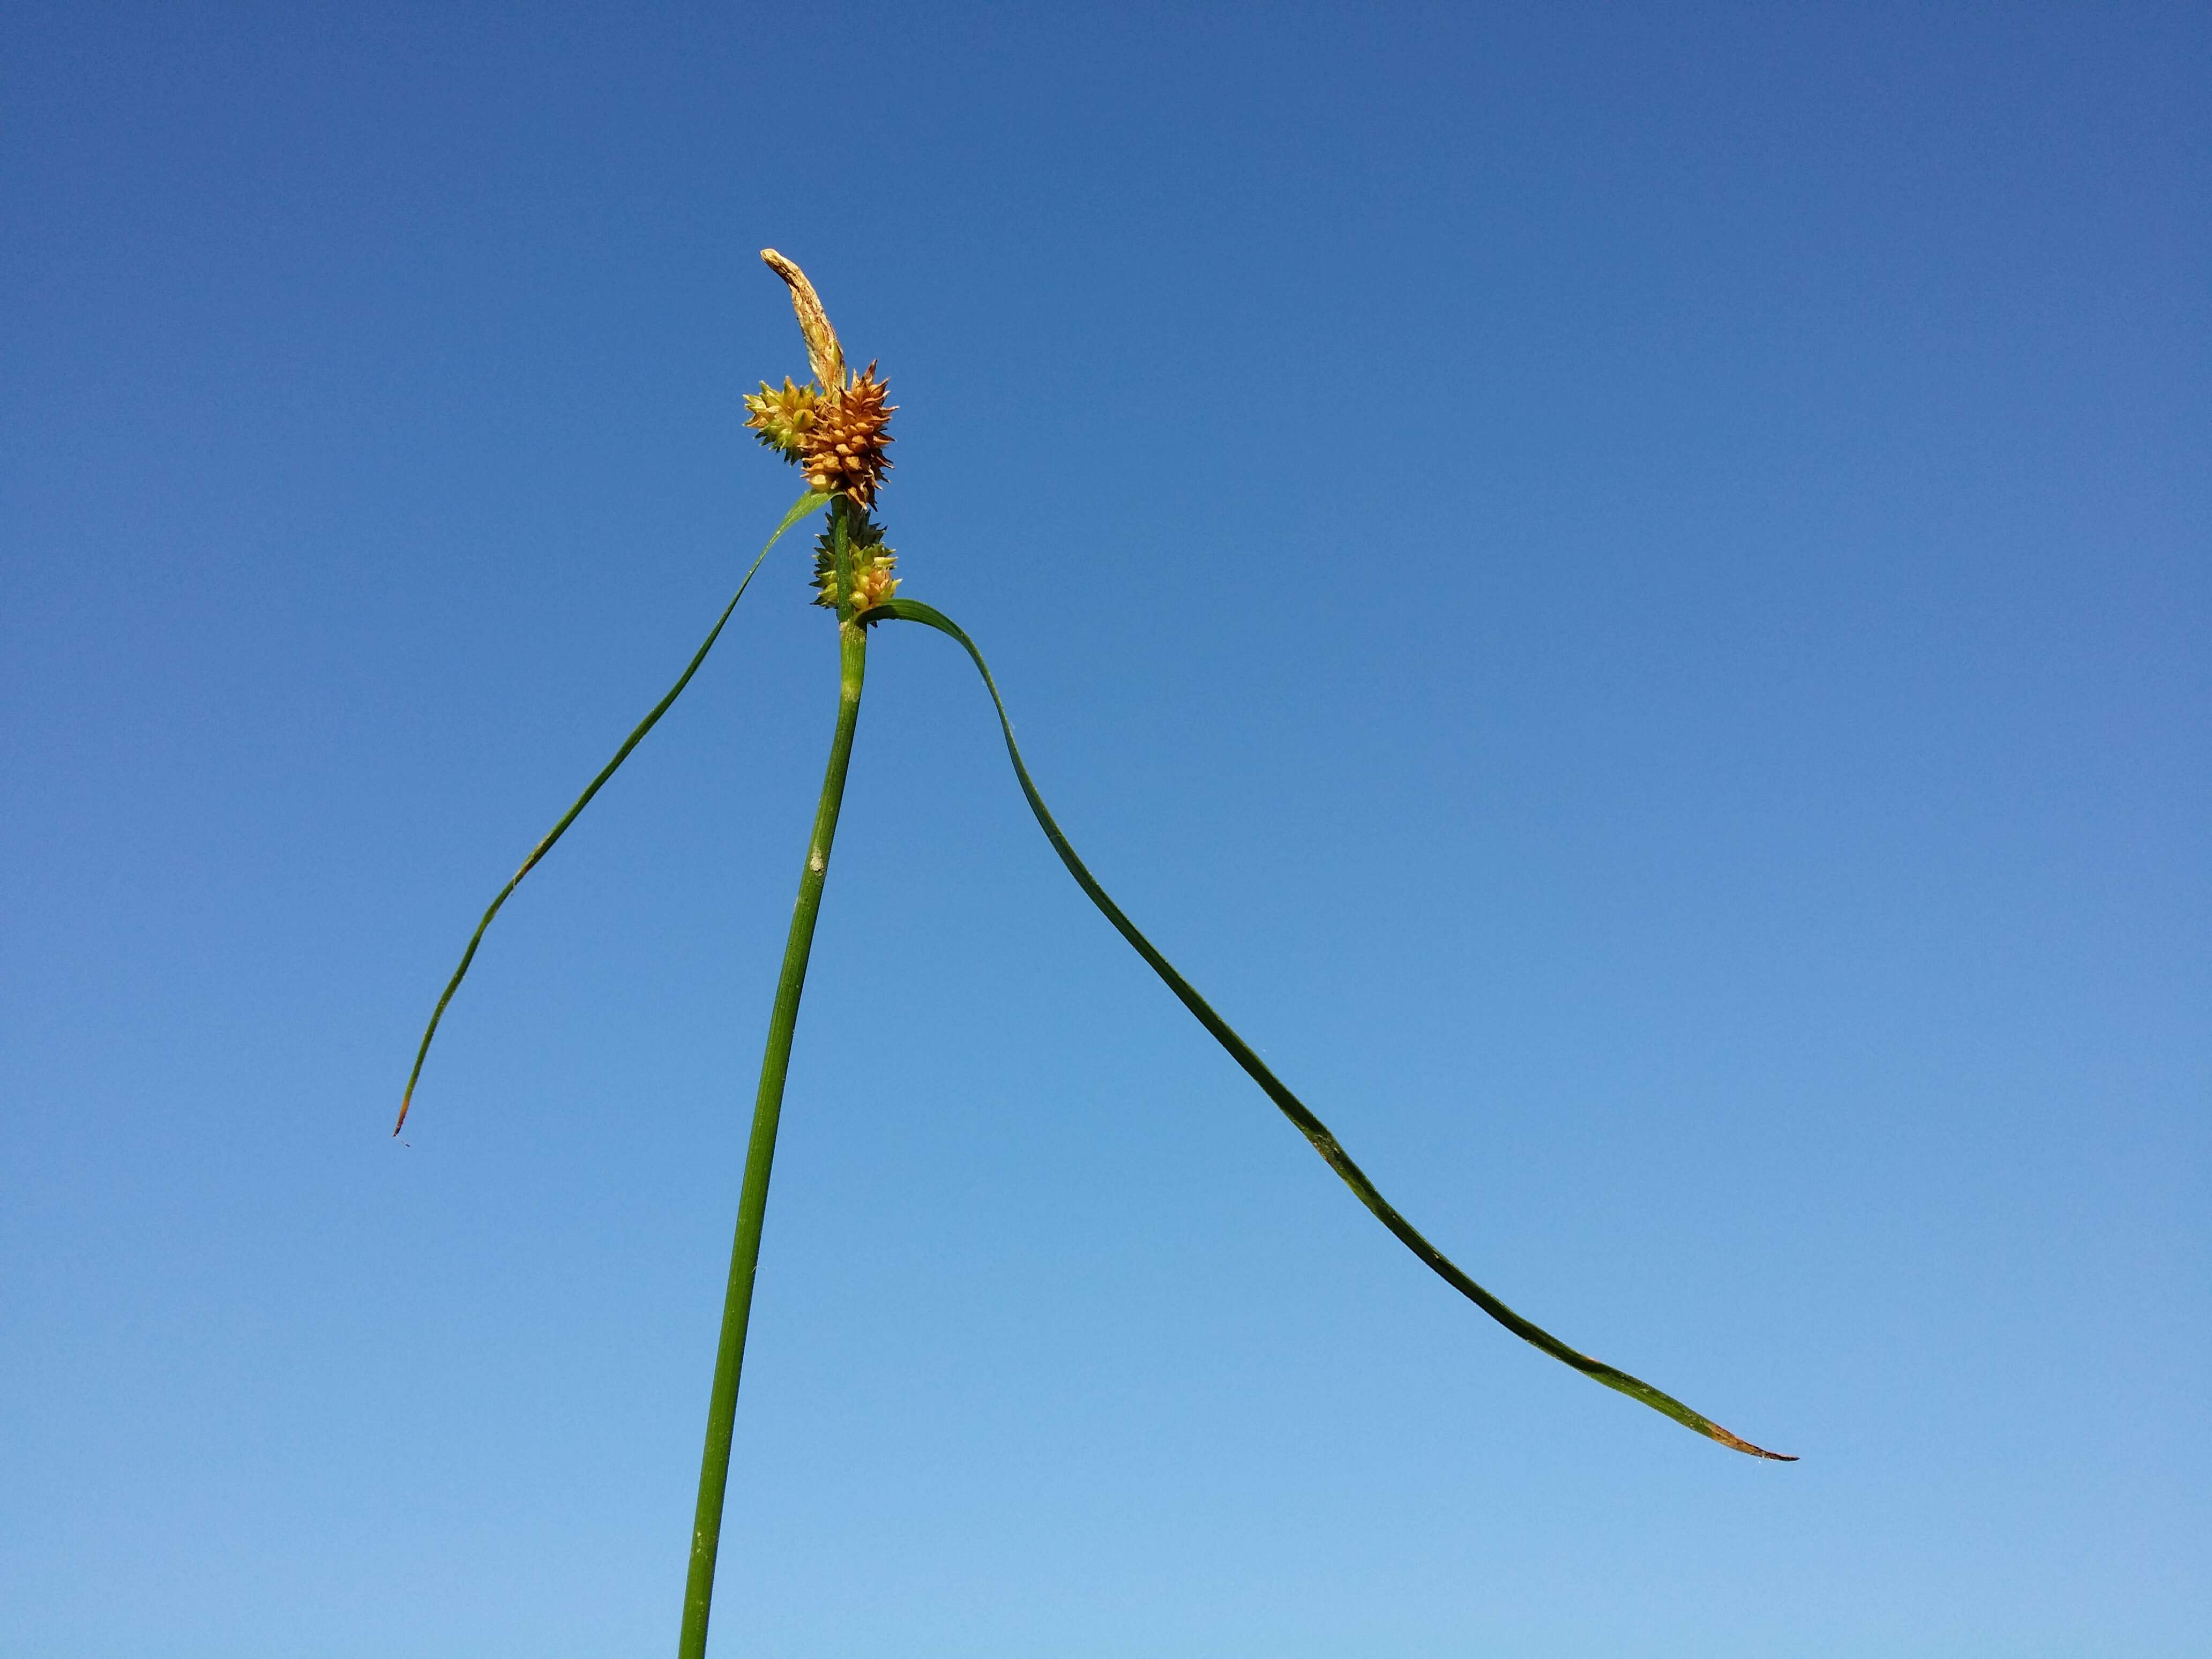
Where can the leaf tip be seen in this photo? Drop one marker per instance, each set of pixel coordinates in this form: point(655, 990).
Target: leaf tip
point(1737, 1442)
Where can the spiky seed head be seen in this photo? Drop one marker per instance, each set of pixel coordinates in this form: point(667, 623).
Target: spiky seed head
point(872, 565)
point(782, 417)
point(845, 443)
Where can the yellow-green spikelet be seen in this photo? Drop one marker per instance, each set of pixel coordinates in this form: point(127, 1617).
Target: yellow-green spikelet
point(872, 565)
point(782, 418)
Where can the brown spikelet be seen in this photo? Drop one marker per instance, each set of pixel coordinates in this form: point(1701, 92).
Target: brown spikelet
point(845, 444)
point(823, 351)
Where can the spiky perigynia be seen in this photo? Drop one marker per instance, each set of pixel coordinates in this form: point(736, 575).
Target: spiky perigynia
point(782, 417)
point(845, 443)
point(872, 564)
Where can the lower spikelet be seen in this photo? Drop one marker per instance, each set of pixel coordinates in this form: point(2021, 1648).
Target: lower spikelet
point(844, 442)
point(872, 565)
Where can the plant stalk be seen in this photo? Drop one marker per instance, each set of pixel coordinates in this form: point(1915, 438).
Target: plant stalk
point(768, 1109)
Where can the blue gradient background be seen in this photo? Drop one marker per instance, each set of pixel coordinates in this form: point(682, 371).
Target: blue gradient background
point(1626, 589)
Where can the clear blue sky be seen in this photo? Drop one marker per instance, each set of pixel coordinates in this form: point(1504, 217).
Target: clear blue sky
point(1626, 588)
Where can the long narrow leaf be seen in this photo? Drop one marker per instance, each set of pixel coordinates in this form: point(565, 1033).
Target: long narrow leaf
point(806, 504)
point(1312, 1127)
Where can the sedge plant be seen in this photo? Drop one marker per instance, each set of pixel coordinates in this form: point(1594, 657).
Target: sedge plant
point(833, 428)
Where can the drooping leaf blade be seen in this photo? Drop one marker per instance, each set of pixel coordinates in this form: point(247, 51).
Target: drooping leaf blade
point(806, 504)
point(1316, 1132)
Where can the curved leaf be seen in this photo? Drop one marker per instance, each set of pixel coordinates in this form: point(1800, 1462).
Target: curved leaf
point(805, 505)
point(1311, 1126)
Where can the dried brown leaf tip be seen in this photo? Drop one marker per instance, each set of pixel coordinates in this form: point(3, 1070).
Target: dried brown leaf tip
point(845, 441)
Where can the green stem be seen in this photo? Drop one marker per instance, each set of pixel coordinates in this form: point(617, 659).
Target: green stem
point(768, 1111)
